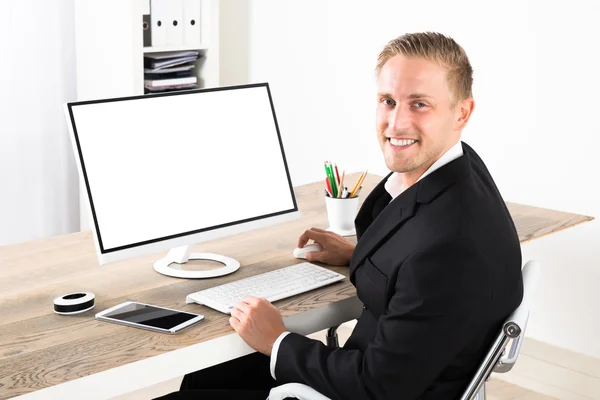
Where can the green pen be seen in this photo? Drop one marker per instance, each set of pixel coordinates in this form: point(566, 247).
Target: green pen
point(332, 180)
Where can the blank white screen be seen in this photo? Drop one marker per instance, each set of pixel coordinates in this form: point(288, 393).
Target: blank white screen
point(168, 165)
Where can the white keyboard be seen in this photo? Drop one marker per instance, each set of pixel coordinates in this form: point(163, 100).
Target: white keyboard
point(273, 285)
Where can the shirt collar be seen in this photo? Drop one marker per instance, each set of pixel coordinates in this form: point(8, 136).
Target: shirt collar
point(393, 185)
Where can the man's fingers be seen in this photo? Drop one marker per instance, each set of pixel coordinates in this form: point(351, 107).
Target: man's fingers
point(237, 314)
point(242, 307)
point(303, 239)
point(251, 300)
point(313, 234)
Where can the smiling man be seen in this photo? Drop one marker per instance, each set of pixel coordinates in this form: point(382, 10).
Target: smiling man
point(437, 263)
point(419, 115)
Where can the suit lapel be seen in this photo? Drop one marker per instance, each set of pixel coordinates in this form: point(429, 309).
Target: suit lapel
point(367, 211)
point(391, 217)
point(377, 219)
point(380, 204)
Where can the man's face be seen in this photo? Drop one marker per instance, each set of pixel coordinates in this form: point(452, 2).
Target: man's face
point(414, 107)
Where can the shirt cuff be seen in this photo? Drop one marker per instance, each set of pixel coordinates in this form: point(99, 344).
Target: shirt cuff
point(274, 352)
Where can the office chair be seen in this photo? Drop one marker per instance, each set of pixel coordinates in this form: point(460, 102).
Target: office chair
point(496, 359)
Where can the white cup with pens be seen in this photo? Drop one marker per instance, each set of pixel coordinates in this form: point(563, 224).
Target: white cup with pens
point(341, 203)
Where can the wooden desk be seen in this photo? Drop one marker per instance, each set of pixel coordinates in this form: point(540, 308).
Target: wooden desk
point(40, 349)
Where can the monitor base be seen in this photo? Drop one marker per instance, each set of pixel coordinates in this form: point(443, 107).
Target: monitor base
point(181, 255)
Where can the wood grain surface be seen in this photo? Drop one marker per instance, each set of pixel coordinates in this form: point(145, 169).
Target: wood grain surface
point(39, 348)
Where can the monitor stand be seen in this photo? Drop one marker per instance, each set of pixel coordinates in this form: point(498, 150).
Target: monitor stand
point(181, 255)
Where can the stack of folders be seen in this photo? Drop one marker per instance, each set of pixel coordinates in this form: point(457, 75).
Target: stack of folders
point(170, 71)
point(334, 184)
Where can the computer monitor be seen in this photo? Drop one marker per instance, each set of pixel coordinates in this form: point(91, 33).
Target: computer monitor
point(166, 171)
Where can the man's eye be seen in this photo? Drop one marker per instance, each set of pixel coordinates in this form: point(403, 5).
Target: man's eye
point(420, 104)
point(389, 102)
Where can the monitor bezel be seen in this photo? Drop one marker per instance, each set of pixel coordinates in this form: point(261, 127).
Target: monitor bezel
point(193, 236)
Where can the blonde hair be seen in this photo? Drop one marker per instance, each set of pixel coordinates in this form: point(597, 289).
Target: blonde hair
point(437, 48)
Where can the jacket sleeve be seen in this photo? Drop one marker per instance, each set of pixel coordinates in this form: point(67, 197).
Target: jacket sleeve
point(438, 294)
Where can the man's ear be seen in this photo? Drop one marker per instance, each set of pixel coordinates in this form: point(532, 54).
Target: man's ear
point(463, 113)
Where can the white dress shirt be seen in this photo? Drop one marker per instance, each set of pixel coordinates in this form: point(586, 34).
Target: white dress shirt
point(274, 352)
point(394, 187)
point(394, 183)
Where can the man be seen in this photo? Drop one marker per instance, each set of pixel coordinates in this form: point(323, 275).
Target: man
point(437, 264)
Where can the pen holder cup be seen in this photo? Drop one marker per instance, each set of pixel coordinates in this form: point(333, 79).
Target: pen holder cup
point(341, 214)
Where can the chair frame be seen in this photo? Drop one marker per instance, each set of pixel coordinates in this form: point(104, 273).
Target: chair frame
point(496, 360)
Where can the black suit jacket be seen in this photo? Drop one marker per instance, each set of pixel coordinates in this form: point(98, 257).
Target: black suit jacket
point(438, 270)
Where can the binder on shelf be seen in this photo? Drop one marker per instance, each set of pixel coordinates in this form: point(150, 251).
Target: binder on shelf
point(191, 18)
point(147, 28)
point(175, 25)
point(146, 23)
point(158, 19)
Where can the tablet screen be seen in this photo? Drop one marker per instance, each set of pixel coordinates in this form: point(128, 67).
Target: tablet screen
point(150, 316)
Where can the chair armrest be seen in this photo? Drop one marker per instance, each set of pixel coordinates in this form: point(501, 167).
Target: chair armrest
point(516, 322)
point(297, 390)
point(506, 362)
point(332, 337)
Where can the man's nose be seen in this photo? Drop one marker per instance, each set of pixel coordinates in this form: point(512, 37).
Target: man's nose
point(400, 119)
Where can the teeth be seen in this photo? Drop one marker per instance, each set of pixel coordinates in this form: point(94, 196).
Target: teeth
point(396, 142)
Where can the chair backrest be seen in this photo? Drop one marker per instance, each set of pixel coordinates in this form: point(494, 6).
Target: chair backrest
point(514, 328)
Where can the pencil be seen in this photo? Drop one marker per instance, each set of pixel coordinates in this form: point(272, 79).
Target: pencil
point(360, 180)
point(360, 183)
point(342, 182)
point(364, 176)
point(356, 185)
point(328, 187)
point(329, 177)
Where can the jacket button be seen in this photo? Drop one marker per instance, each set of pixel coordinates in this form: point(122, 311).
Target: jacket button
point(364, 307)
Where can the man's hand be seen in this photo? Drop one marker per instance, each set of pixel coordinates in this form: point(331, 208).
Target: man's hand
point(258, 322)
point(336, 249)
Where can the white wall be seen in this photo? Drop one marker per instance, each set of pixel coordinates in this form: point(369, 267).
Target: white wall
point(234, 41)
point(535, 123)
point(38, 183)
